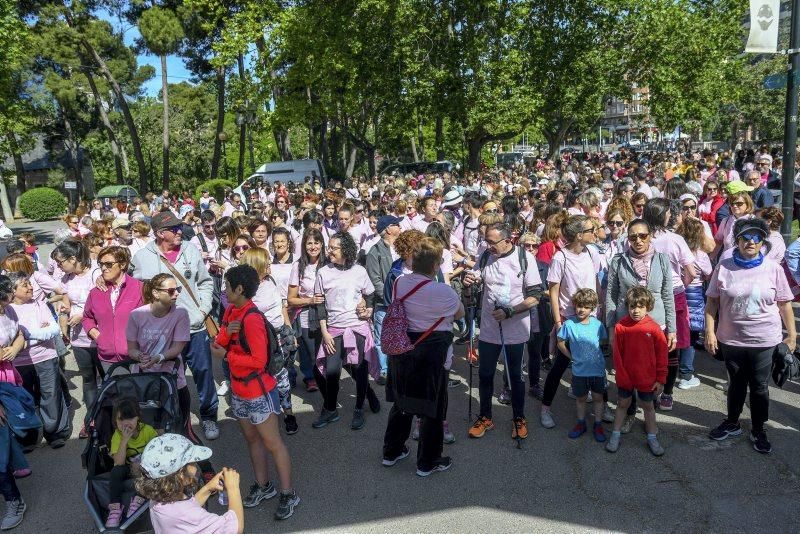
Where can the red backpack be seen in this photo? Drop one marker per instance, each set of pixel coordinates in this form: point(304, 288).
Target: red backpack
point(394, 334)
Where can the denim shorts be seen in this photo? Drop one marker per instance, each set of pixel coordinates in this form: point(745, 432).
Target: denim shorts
point(256, 410)
point(581, 385)
point(644, 396)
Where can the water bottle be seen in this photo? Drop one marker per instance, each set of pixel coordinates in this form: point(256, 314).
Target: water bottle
point(222, 498)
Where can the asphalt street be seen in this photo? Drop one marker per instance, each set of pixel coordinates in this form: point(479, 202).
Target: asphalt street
point(553, 484)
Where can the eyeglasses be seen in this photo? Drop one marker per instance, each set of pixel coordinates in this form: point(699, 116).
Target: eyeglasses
point(755, 238)
point(531, 245)
point(241, 248)
point(615, 223)
point(332, 249)
point(588, 230)
point(633, 238)
point(493, 243)
point(690, 207)
point(274, 217)
point(738, 204)
point(608, 190)
point(73, 222)
point(61, 261)
point(171, 290)
point(174, 229)
point(107, 264)
point(490, 211)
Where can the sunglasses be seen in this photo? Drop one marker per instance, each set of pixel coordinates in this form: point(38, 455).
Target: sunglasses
point(490, 211)
point(493, 243)
point(241, 248)
point(531, 245)
point(607, 190)
point(275, 217)
point(712, 189)
point(588, 230)
point(73, 222)
point(615, 223)
point(755, 238)
point(209, 226)
point(174, 229)
point(171, 290)
point(633, 238)
point(690, 207)
point(107, 264)
point(738, 204)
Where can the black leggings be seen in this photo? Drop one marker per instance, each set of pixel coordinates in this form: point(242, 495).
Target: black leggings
point(537, 345)
point(329, 383)
point(89, 368)
point(119, 474)
point(748, 367)
point(554, 378)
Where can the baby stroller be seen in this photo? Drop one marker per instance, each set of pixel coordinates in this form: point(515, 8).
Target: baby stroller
point(157, 394)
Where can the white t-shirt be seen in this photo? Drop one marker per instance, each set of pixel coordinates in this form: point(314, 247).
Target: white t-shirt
point(573, 272)
point(343, 290)
point(268, 300)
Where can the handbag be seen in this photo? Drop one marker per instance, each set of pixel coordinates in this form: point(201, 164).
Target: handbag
point(211, 325)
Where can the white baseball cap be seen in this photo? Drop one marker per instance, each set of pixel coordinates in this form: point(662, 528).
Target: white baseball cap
point(168, 454)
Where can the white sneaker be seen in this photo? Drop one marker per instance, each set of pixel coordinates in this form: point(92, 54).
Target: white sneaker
point(722, 386)
point(692, 382)
point(608, 414)
point(546, 419)
point(210, 429)
point(224, 388)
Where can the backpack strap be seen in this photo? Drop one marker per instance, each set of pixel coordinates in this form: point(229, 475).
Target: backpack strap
point(202, 240)
point(429, 331)
point(242, 340)
point(417, 287)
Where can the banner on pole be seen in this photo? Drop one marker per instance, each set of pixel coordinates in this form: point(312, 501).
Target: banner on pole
point(764, 17)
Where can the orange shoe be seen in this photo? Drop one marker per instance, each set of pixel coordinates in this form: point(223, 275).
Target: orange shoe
point(480, 427)
point(472, 357)
point(520, 427)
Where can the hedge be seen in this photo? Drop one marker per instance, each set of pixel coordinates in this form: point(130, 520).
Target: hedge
point(42, 203)
point(215, 187)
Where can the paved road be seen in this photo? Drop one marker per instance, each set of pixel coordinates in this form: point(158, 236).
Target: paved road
point(553, 484)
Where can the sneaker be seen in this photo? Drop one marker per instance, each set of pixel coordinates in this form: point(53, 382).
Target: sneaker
point(415, 430)
point(290, 421)
point(505, 396)
point(612, 445)
point(547, 364)
point(481, 426)
point(389, 462)
point(599, 433)
point(112, 521)
point(689, 383)
point(325, 418)
point(442, 464)
point(83, 434)
point(608, 414)
point(259, 493)
point(358, 420)
point(311, 386)
point(519, 428)
point(463, 340)
point(224, 388)
point(453, 383)
point(725, 430)
point(381, 381)
point(578, 430)
point(134, 505)
point(723, 386)
point(665, 403)
point(14, 512)
point(627, 424)
point(536, 391)
point(448, 437)
point(23, 472)
point(372, 399)
point(57, 443)
point(286, 505)
point(760, 442)
point(210, 429)
point(655, 447)
point(546, 419)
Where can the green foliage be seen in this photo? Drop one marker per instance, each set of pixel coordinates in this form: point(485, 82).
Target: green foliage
point(42, 203)
point(216, 188)
point(161, 30)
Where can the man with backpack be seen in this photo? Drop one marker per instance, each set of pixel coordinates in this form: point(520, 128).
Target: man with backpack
point(511, 287)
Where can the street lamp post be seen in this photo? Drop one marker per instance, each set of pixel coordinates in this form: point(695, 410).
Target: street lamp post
point(223, 138)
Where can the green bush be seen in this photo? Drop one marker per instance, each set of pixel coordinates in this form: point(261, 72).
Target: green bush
point(215, 187)
point(42, 203)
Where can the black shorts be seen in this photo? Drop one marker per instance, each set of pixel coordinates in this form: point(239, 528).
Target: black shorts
point(644, 396)
point(581, 385)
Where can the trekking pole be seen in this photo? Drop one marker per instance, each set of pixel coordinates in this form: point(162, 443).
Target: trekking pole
point(508, 375)
point(470, 353)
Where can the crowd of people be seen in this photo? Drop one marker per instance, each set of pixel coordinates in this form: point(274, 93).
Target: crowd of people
point(618, 267)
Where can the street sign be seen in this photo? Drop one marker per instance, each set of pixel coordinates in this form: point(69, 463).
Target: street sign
point(70, 185)
point(775, 81)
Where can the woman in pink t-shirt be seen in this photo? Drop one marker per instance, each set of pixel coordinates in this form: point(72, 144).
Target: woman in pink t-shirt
point(742, 207)
point(752, 297)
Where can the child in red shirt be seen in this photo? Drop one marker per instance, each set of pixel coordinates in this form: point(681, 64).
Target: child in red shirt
point(640, 361)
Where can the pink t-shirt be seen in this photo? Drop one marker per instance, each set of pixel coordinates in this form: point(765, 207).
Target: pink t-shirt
point(268, 300)
point(778, 249)
point(43, 284)
point(155, 335)
point(138, 244)
point(419, 223)
point(503, 286)
point(703, 268)
point(724, 233)
point(343, 290)
point(748, 303)
point(573, 272)
point(212, 244)
point(675, 247)
point(427, 304)
point(447, 262)
point(280, 273)
point(305, 287)
point(78, 288)
point(188, 517)
point(32, 315)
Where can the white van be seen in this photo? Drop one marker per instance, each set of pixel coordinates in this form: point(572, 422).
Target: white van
point(286, 171)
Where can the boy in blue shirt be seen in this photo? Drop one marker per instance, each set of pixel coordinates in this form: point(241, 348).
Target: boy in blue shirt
point(579, 340)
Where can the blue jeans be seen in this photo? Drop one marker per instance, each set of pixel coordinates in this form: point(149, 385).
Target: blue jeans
point(377, 326)
point(487, 365)
point(8, 486)
point(686, 368)
point(197, 356)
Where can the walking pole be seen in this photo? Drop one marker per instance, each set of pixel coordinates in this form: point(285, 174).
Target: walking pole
point(471, 353)
point(508, 375)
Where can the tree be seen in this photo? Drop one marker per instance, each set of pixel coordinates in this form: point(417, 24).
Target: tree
point(162, 33)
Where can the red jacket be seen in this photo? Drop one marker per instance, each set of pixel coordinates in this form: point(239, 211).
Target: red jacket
point(640, 354)
point(241, 363)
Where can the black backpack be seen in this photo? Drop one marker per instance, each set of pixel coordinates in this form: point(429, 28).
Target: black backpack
point(276, 356)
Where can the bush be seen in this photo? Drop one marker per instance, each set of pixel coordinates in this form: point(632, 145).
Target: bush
point(215, 187)
point(42, 203)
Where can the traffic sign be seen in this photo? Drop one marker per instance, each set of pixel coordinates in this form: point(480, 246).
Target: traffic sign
point(778, 81)
point(70, 185)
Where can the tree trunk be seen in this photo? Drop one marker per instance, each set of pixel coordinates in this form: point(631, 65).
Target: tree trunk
point(242, 127)
point(124, 157)
point(19, 168)
point(370, 152)
point(420, 141)
point(6, 205)
point(112, 138)
point(165, 132)
point(351, 162)
point(72, 146)
point(281, 135)
point(439, 138)
point(474, 147)
point(215, 158)
point(324, 151)
point(414, 149)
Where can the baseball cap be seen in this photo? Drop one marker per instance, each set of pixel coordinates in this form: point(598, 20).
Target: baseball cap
point(737, 186)
point(120, 222)
point(164, 219)
point(452, 198)
point(168, 454)
point(385, 222)
point(186, 208)
point(749, 226)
